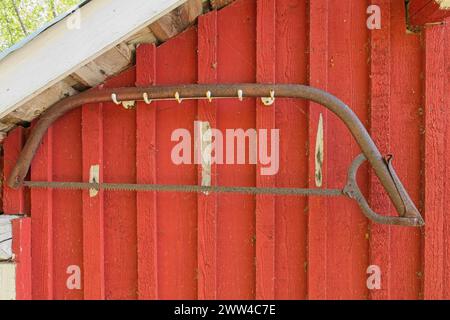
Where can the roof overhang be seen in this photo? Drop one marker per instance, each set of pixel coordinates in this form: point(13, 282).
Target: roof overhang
point(70, 43)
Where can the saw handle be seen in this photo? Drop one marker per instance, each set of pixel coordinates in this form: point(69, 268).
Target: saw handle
point(409, 217)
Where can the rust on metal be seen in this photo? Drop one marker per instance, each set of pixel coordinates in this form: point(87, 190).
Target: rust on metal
point(408, 213)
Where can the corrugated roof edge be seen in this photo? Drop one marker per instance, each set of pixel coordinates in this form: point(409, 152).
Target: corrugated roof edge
point(42, 29)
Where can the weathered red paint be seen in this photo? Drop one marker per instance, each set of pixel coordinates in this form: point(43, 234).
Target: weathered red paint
point(207, 204)
point(265, 119)
point(42, 223)
point(395, 103)
point(196, 246)
point(317, 242)
point(146, 173)
point(120, 225)
point(380, 113)
point(176, 213)
point(436, 175)
point(405, 102)
point(291, 118)
point(67, 205)
point(346, 57)
point(93, 207)
point(236, 62)
point(21, 229)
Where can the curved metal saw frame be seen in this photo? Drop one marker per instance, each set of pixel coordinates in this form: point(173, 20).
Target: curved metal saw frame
point(408, 214)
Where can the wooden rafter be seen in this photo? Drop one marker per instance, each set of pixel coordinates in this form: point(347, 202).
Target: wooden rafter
point(422, 12)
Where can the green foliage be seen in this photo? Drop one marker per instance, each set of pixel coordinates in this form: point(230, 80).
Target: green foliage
point(19, 18)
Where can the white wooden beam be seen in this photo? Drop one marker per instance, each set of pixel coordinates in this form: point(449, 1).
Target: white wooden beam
point(217, 4)
point(444, 4)
point(6, 253)
point(7, 281)
point(110, 63)
point(173, 23)
point(35, 106)
point(60, 50)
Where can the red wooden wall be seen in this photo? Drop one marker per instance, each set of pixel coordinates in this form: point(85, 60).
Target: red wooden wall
point(186, 246)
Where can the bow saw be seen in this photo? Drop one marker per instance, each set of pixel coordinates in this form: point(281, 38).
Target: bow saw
point(408, 214)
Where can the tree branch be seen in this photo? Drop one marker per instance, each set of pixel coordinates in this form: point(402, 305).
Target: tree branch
point(16, 10)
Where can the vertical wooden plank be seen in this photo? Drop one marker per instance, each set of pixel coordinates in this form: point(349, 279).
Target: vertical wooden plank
point(358, 67)
point(347, 79)
point(317, 206)
point(265, 120)
point(93, 214)
point(146, 173)
point(436, 157)
point(406, 140)
point(13, 199)
point(380, 102)
point(291, 219)
point(67, 221)
point(42, 226)
point(119, 165)
point(22, 251)
point(236, 212)
point(177, 212)
point(447, 171)
point(207, 203)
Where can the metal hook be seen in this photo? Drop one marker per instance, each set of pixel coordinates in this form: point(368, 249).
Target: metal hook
point(208, 96)
point(177, 97)
point(114, 99)
point(240, 94)
point(268, 101)
point(146, 99)
point(126, 104)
